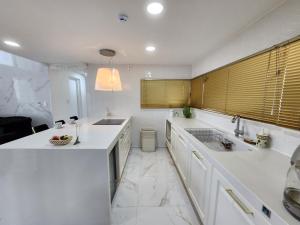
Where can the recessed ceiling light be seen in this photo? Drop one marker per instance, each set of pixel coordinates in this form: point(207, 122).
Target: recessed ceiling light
point(12, 43)
point(150, 48)
point(155, 8)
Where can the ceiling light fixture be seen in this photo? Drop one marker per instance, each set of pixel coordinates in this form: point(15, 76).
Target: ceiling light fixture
point(12, 43)
point(150, 48)
point(155, 8)
point(108, 79)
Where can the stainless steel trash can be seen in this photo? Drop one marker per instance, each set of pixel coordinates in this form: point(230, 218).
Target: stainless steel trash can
point(148, 140)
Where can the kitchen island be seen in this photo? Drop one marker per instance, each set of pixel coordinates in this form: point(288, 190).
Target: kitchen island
point(61, 185)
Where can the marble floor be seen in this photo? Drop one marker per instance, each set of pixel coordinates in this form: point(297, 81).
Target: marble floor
point(151, 192)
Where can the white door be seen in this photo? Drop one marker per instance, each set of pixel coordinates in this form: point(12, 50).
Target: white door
point(199, 188)
point(75, 97)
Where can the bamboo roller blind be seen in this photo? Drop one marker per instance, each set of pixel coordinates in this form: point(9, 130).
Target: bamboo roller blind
point(165, 93)
point(265, 87)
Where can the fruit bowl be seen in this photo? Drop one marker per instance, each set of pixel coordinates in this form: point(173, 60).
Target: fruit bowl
point(62, 140)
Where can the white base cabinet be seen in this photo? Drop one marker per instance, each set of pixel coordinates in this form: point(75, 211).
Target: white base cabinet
point(180, 154)
point(173, 144)
point(216, 200)
point(199, 183)
point(124, 148)
point(228, 206)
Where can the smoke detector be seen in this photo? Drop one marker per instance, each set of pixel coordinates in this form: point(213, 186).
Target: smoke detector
point(123, 18)
point(107, 52)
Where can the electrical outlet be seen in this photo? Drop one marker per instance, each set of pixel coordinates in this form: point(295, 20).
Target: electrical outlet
point(266, 211)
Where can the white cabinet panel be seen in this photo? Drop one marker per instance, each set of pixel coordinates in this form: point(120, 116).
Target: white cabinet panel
point(227, 211)
point(199, 185)
point(229, 207)
point(124, 148)
point(173, 143)
point(181, 154)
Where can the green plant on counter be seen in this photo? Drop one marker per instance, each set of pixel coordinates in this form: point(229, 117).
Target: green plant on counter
point(187, 112)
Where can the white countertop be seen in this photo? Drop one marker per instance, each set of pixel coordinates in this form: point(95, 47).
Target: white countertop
point(261, 172)
point(91, 136)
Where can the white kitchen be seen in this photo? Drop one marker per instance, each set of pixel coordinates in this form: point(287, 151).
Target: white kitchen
point(150, 112)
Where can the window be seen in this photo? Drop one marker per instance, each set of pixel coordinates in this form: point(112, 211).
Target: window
point(197, 91)
point(289, 110)
point(165, 93)
point(215, 89)
point(246, 87)
point(265, 87)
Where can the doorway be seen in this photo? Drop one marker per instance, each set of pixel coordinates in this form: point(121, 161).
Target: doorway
point(77, 100)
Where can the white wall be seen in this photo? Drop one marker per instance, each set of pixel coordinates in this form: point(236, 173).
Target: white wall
point(283, 140)
point(24, 89)
point(59, 78)
point(278, 26)
point(127, 102)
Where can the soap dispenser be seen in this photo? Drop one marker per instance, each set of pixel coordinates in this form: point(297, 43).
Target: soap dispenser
point(291, 197)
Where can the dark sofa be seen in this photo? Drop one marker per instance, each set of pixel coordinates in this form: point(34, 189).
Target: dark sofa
point(12, 128)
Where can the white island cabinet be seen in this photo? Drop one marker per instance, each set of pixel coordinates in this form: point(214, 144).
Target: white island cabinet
point(124, 145)
point(61, 185)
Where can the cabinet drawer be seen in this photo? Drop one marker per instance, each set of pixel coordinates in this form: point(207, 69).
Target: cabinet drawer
point(228, 206)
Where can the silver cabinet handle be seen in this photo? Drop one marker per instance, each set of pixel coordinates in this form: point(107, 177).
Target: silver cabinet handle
point(239, 202)
point(198, 155)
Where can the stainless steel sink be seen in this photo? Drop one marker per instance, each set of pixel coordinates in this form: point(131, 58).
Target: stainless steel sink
point(217, 140)
point(110, 122)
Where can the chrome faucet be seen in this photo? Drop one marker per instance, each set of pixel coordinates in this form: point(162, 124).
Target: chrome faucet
point(237, 130)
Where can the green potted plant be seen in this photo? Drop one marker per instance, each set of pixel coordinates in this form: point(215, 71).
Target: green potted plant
point(187, 111)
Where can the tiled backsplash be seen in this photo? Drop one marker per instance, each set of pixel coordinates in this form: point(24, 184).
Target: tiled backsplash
point(24, 89)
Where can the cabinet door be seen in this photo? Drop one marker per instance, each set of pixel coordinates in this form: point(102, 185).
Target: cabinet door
point(127, 141)
point(228, 206)
point(199, 185)
point(174, 138)
point(181, 154)
point(122, 155)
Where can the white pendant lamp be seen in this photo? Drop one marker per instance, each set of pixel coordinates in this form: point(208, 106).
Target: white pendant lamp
point(108, 79)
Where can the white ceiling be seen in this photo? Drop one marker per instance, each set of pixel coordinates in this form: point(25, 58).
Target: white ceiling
point(72, 31)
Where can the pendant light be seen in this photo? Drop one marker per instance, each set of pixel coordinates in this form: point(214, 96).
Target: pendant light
point(108, 78)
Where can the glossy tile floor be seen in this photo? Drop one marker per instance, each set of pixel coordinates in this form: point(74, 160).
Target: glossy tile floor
point(151, 192)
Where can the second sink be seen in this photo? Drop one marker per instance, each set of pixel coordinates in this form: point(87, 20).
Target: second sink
point(110, 122)
point(216, 140)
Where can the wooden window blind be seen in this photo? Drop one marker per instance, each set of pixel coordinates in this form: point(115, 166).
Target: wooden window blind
point(246, 87)
point(215, 88)
point(265, 87)
point(152, 93)
point(273, 84)
point(165, 93)
point(289, 111)
point(196, 92)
